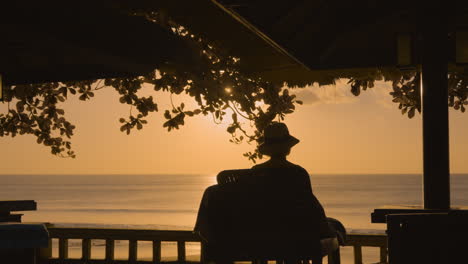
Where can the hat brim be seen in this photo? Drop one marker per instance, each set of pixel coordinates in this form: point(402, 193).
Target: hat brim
point(269, 148)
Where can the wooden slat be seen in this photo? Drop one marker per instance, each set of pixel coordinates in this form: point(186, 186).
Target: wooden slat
point(202, 252)
point(123, 234)
point(63, 248)
point(86, 249)
point(110, 247)
point(368, 240)
point(181, 251)
point(132, 250)
point(357, 255)
point(156, 251)
point(20, 205)
point(383, 254)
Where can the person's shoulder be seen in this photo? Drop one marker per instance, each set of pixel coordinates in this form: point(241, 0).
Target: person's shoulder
point(300, 169)
point(257, 166)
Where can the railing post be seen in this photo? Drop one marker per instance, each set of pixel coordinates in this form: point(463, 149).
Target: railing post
point(181, 251)
point(202, 252)
point(110, 245)
point(86, 249)
point(132, 251)
point(383, 254)
point(156, 251)
point(357, 255)
point(63, 248)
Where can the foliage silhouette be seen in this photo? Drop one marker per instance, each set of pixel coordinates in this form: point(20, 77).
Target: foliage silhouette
point(204, 73)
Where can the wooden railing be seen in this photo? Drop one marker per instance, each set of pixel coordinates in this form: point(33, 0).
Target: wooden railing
point(357, 241)
point(156, 237)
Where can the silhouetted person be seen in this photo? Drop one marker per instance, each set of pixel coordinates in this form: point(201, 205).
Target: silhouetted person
point(276, 187)
point(277, 144)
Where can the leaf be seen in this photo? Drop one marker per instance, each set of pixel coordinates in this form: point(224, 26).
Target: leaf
point(72, 91)
point(231, 129)
point(167, 114)
point(299, 102)
point(355, 90)
point(122, 120)
point(83, 97)
point(64, 91)
point(139, 126)
point(20, 106)
point(411, 112)
point(234, 117)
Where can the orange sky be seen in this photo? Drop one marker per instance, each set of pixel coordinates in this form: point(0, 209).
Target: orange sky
point(339, 133)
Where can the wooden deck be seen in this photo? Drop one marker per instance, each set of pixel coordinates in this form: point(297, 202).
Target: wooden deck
point(156, 237)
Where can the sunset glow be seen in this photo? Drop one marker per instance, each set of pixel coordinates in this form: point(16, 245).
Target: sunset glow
point(339, 133)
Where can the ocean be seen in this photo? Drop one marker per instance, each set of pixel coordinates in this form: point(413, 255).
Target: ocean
point(172, 201)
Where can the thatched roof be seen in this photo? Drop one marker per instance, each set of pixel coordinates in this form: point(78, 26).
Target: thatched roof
point(60, 40)
point(299, 42)
point(341, 38)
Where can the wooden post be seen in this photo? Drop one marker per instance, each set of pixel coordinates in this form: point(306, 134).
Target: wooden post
point(63, 248)
point(203, 253)
point(180, 251)
point(156, 251)
point(86, 249)
point(383, 255)
point(357, 255)
point(132, 251)
point(434, 103)
point(110, 246)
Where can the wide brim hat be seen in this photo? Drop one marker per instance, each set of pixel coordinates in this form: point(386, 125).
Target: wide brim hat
point(276, 138)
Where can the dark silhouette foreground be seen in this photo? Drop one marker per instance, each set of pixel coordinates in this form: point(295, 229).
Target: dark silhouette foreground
point(266, 213)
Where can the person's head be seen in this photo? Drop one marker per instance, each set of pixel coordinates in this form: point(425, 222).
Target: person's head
point(277, 140)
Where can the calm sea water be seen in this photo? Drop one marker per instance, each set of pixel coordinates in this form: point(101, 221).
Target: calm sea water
point(171, 201)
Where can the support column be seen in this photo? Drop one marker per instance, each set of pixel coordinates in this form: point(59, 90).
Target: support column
point(434, 96)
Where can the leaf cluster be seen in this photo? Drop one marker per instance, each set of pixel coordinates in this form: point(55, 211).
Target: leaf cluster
point(406, 88)
point(206, 73)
